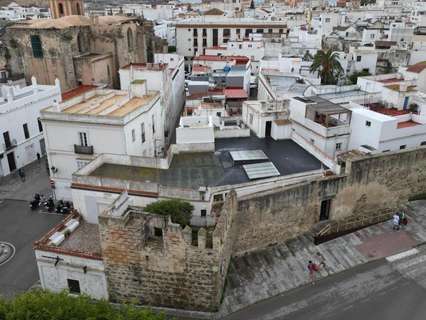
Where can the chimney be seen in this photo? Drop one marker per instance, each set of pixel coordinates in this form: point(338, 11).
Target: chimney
point(138, 88)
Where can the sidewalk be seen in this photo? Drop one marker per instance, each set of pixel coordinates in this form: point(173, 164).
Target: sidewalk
point(36, 181)
point(264, 274)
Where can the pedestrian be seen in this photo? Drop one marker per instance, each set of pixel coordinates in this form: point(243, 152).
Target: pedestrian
point(312, 268)
point(21, 174)
point(321, 260)
point(395, 221)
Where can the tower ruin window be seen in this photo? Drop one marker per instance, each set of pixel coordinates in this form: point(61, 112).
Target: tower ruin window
point(130, 39)
point(36, 46)
point(61, 9)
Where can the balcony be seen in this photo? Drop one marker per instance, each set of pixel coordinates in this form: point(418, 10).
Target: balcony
point(83, 149)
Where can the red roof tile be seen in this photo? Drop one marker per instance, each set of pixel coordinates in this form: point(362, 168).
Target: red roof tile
point(235, 94)
point(406, 124)
point(237, 59)
point(417, 68)
point(77, 91)
point(388, 111)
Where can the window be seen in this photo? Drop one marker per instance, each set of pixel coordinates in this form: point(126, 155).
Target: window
point(251, 118)
point(36, 46)
point(83, 139)
point(238, 31)
point(281, 31)
point(40, 125)
point(368, 123)
point(226, 32)
point(240, 46)
point(423, 143)
point(143, 132)
point(78, 9)
point(61, 9)
point(269, 30)
point(372, 36)
point(402, 147)
point(195, 42)
point(327, 19)
point(130, 39)
point(153, 124)
point(73, 286)
point(338, 146)
point(195, 32)
point(204, 42)
point(259, 30)
point(133, 135)
point(204, 32)
point(26, 132)
point(358, 58)
point(158, 232)
point(325, 209)
point(248, 31)
point(203, 212)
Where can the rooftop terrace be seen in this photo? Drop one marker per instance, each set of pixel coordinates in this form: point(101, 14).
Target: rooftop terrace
point(193, 170)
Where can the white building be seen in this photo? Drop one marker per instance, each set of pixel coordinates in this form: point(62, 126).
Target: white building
point(22, 132)
point(320, 126)
point(167, 76)
point(193, 36)
point(97, 121)
point(15, 12)
point(358, 60)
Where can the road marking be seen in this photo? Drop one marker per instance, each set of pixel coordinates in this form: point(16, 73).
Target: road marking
point(12, 255)
point(402, 255)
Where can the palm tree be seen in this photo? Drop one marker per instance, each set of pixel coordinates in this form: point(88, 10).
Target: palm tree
point(327, 64)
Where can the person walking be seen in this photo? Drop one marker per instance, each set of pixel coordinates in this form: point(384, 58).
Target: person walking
point(21, 174)
point(321, 261)
point(395, 221)
point(312, 268)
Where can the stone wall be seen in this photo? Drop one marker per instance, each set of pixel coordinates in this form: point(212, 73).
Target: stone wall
point(369, 190)
point(172, 270)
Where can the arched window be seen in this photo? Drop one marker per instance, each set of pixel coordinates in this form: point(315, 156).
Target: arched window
point(130, 39)
point(78, 9)
point(80, 43)
point(61, 9)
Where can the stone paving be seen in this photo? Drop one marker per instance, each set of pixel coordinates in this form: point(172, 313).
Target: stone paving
point(263, 274)
point(36, 181)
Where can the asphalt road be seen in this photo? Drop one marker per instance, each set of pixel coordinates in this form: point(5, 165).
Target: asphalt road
point(371, 291)
point(21, 227)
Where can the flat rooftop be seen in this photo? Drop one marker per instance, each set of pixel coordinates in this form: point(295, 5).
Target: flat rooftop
point(193, 170)
point(84, 239)
point(89, 101)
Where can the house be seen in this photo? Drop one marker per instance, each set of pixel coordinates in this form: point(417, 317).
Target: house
point(90, 121)
point(21, 130)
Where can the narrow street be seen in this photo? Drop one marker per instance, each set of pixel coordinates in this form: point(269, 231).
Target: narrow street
point(378, 290)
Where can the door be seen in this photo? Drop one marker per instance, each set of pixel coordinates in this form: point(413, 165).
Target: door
point(405, 102)
point(215, 37)
point(268, 128)
point(42, 146)
point(325, 209)
point(11, 161)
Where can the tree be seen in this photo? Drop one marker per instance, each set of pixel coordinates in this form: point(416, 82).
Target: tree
point(44, 305)
point(179, 211)
point(327, 64)
point(353, 78)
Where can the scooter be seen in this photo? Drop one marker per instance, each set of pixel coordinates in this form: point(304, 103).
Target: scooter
point(50, 205)
point(35, 203)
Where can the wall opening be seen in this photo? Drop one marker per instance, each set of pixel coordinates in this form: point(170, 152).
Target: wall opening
point(325, 209)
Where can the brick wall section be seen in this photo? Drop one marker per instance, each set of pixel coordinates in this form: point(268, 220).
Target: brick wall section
point(173, 273)
point(369, 187)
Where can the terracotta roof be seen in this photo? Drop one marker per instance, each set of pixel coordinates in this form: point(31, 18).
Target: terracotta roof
point(199, 69)
point(221, 58)
point(77, 91)
point(388, 111)
point(70, 21)
point(417, 68)
point(407, 124)
point(282, 122)
point(235, 94)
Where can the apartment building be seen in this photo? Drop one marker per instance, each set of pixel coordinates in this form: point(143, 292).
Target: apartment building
point(21, 130)
point(194, 36)
point(91, 121)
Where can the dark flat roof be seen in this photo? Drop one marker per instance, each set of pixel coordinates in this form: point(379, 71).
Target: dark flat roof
point(193, 170)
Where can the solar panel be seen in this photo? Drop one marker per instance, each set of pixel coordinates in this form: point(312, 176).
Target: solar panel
point(261, 170)
point(248, 155)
